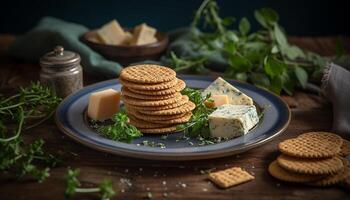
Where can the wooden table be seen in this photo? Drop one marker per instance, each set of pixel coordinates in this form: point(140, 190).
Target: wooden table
point(134, 178)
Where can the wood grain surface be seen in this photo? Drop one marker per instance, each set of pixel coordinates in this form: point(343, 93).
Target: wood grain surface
point(134, 178)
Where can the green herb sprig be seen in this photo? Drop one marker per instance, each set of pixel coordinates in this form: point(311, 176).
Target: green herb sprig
point(120, 129)
point(198, 125)
point(264, 58)
point(29, 108)
point(73, 186)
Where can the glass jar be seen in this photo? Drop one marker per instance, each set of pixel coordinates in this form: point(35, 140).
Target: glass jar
point(62, 71)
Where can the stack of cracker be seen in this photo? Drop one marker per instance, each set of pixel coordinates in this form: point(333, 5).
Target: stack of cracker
point(314, 158)
point(152, 98)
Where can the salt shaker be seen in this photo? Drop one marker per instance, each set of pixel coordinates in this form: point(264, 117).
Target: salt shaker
point(62, 71)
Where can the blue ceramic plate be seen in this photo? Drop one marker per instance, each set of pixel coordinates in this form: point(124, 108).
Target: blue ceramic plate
point(70, 118)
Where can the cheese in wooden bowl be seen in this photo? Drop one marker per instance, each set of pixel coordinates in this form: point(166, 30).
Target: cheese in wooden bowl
point(126, 45)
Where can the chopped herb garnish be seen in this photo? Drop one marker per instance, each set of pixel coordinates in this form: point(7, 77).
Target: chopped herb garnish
point(120, 129)
point(198, 124)
point(153, 144)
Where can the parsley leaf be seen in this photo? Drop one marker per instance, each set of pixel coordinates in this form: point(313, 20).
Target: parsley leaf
point(198, 125)
point(120, 129)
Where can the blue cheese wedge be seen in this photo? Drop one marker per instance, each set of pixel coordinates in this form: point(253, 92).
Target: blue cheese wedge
point(221, 87)
point(232, 120)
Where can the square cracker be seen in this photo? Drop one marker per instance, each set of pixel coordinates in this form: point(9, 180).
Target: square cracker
point(230, 177)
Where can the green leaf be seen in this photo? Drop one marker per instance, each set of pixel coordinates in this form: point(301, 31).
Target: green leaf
point(239, 63)
point(230, 47)
point(260, 79)
point(276, 85)
point(293, 52)
point(267, 17)
point(274, 49)
point(227, 21)
point(273, 67)
point(244, 26)
point(301, 75)
point(232, 36)
point(288, 84)
point(242, 76)
point(280, 37)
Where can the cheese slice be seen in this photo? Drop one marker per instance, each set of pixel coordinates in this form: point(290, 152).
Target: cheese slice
point(104, 104)
point(232, 120)
point(143, 34)
point(113, 34)
point(217, 100)
point(221, 87)
point(95, 38)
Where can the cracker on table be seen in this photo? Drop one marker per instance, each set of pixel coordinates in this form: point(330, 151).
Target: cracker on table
point(147, 73)
point(230, 177)
point(310, 166)
point(149, 87)
point(284, 175)
point(312, 146)
point(189, 106)
point(180, 85)
point(345, 148)
point(321, 135)
point(333, 179)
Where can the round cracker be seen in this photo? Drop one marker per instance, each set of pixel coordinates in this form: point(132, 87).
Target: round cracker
point(189, 106)
point(345, 148)
point(321, 135)
point(152, 118)
point(284, 175)
point(158, 130)
point(143, 124)
point(311, 146)
point(334, 178)
point(147, 73)
point(140, 102)
point(148, 87)
point(184, 100)
point(177, 88)
point(310, 166)
point(180, 120)
point(127, 92)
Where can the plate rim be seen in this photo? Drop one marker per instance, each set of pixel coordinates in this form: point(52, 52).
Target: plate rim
point(172, 156)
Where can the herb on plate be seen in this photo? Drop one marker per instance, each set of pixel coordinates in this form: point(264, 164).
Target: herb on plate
point(27, 109)
point(198, 125)
point(119, 129)
point(263, 58)
point(73, 186)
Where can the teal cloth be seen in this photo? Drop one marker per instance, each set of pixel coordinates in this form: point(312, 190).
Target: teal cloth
point(51, 32)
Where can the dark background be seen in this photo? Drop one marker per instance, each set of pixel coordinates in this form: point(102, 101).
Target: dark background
point(323, 17)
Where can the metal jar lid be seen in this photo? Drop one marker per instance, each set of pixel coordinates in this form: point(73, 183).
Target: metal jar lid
point(60, 58)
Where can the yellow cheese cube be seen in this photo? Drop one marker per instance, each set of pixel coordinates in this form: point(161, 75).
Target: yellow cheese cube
point(111, 33)
point(104, 104)
point(143, 34)
point(95, 38)
point(218, 100)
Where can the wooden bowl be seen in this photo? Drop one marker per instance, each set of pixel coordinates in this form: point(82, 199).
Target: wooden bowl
point(126, 55)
